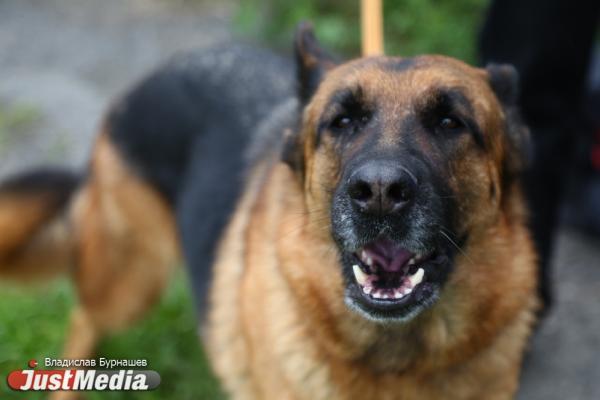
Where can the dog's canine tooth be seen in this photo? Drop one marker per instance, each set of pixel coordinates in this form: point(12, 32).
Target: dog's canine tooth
point(359, 275)
point(411, 261)
point(417, 277)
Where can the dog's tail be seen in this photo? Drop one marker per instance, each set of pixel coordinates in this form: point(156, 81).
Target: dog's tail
point(36, 239)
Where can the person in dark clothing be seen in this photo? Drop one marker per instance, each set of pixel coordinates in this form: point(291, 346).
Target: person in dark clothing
point(550, 44)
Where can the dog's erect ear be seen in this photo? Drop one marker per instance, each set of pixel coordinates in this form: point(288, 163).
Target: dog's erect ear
point(311, 61)
point(504, 81)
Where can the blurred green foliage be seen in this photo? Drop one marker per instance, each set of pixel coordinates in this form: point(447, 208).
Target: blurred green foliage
point(411, 26)
point(33, 323)
point(15, 120)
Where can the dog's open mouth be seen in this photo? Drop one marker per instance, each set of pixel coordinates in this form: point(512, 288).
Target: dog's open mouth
point(387, 271)
point(395, 281)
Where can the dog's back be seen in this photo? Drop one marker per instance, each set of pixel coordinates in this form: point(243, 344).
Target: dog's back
point(212, 99)
point(187, 128)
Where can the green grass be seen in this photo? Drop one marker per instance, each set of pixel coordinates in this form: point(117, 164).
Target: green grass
point(33, 322)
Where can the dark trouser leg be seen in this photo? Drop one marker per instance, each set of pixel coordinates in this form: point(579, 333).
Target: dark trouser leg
point(549, 42)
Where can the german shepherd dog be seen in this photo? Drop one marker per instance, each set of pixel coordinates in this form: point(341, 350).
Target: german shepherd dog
point(366, 234)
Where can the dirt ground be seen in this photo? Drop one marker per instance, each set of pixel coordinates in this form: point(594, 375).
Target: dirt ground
point(63, 61)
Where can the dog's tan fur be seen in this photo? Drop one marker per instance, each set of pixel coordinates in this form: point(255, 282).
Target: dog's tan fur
point(126, 250)
point(279, 327)
point(23, 245)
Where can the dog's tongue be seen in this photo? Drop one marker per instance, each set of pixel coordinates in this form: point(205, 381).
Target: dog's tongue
point(387, 255)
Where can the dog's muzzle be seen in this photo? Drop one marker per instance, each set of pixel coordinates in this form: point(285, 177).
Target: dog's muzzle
point(384, 223)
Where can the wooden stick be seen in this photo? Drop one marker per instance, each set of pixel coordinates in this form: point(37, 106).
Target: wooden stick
point(371, 27)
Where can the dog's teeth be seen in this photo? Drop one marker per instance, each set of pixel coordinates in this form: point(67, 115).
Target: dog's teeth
point(367, 289)
point(397, 294)
point(386, 296)
point(360, 276)
point(411, 261)
point(417, 277)
point(376, 294)
point(407, 292)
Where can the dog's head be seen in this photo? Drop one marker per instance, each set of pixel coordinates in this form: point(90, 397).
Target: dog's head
point(406, 158)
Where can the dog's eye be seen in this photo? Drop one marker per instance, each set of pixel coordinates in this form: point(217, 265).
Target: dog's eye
point(342, 122)
point(450, 123)
point(346, 121)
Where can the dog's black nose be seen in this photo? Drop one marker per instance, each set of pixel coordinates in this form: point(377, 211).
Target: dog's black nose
point(381, 188)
